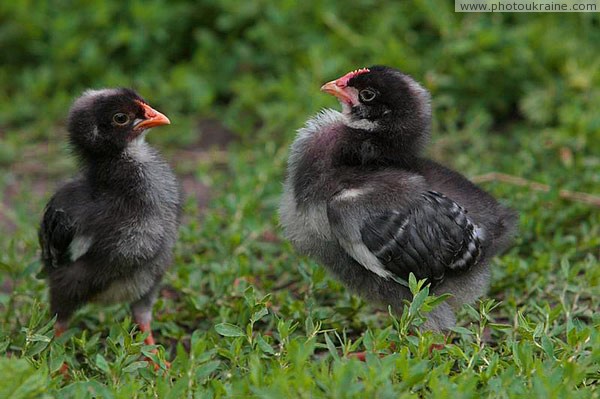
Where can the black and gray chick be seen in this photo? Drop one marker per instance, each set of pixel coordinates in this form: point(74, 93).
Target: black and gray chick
point(361, 199)
point(107, 236)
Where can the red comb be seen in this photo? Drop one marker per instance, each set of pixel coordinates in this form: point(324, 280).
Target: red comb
point(343, 81)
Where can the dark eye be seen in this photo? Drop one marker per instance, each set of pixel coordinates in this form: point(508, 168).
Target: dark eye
point(367, 95)
point(121, 118)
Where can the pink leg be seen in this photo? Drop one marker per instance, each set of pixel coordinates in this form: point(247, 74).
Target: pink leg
point(59, 328)
point(143, 322)
point(361, 356)
point(436, 347)
point(145, 327)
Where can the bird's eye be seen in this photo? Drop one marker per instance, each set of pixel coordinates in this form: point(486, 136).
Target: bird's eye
point(367, 95)
point(121, 118)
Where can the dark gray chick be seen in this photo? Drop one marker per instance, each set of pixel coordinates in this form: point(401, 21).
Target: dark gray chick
point(107, 235)
point(360, 199)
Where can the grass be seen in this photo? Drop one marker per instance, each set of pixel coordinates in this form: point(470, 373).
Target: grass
point(242, 315)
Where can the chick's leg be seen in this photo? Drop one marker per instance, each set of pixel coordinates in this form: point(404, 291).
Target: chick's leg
point(142, 314)
point(60, 327)
point(63, 308)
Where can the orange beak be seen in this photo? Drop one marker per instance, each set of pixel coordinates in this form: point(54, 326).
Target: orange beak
point(336, 88)
point(340, 89)
point(152, 117)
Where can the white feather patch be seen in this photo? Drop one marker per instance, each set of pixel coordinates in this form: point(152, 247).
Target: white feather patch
point(361, 124)
point(324, 119)
point(478, 232)
point(138, 149)
point(79, 246)
point(352, 193)
point(362, 255)
point(98, 92)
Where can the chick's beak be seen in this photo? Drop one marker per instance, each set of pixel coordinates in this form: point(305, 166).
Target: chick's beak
point(339, 89)
point(152, 118)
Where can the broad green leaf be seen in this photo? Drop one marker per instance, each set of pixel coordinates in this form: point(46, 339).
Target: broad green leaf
point(229, 330)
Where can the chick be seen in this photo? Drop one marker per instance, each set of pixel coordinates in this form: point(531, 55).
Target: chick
point(360, 199)
point(107, 236)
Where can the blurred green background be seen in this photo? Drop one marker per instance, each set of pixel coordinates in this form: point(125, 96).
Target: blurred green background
point(512, 93)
